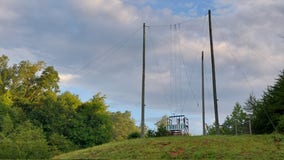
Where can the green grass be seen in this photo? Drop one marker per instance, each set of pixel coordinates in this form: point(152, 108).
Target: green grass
point(187, 147)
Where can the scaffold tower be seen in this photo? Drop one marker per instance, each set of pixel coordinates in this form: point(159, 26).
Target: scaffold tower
point(178, 125)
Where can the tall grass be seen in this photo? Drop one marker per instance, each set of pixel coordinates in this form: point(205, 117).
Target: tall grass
point(189, 147)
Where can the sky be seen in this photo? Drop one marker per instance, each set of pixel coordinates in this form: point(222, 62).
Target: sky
point(96, 46)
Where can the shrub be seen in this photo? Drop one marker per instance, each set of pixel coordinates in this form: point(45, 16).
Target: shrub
point(60, 143)
point(151, 133)
point(7, 149)
point(280, 125)
point(30, 142)
point(134, 135)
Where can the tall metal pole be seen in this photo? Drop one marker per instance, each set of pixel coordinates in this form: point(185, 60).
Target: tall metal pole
point(213, 76)
point(143, 86)
point(203, 102)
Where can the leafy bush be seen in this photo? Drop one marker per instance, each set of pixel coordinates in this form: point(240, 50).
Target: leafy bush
point(30, 142)
point(162, 131)
point(134, 135)
point(25, 142)
point(60, 144)
point(151, 133)
point(280, 125)
point(7, 149)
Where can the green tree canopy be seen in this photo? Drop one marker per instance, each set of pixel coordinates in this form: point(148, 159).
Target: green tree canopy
point(69, 100)
point(37, 121)
point(25, 142)
point(267, 113)
point(92, 125)
point(237, 122)
point(27, 82)
point(123, 125)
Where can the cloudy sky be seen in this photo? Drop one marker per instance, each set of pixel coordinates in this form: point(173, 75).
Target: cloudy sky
point(96, 46)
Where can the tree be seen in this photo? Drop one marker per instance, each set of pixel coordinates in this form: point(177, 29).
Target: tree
point(24, 81)
point(4, 110)
point(30, 142)
point(161, 127)
point(25, 142)
point(267, 112)
point(250, 104)
point(237, 122)
point(32, 111)
point(151, 133)
point(8, 148)
point(211, 129)
point(30, 82)
point(92, 124)
point(48, 80)
point(52, 116)
point(69, 100)
point(162, 122)
point(162, 131)
point(123, 125)
point(7, 125)
point(59, 143)
point(280, 125)
point(5, 74)
point(273, 101)
point(6, 98)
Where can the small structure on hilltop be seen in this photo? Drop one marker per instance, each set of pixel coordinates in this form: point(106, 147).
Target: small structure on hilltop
point(178, 125)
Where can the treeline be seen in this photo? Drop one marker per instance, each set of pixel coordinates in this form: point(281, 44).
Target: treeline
point(37, 121)
point(257, 116)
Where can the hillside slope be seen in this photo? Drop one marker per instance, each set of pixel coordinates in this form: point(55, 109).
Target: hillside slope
point(192, 147)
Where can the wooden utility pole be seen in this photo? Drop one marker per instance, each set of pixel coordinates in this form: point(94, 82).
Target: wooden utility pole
point(213, 76)
point(143, 86)
point(250, 131)
point(236, 128)
point(203, 102)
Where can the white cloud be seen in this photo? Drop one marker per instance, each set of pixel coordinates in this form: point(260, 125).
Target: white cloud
point(7, 12)
point(16, 55)
point(7, 15)
point(108, 10)
point(67, 79)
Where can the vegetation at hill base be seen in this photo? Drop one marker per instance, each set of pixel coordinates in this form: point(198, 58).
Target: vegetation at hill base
point(187, 147)
point(37, 121)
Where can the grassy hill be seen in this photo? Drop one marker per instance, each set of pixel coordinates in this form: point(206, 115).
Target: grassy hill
point(189, 147)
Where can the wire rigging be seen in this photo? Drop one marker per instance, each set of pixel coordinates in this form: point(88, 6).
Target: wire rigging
point(103, 56)
point(180, 80)
point(158, 68)
point(187, 72)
